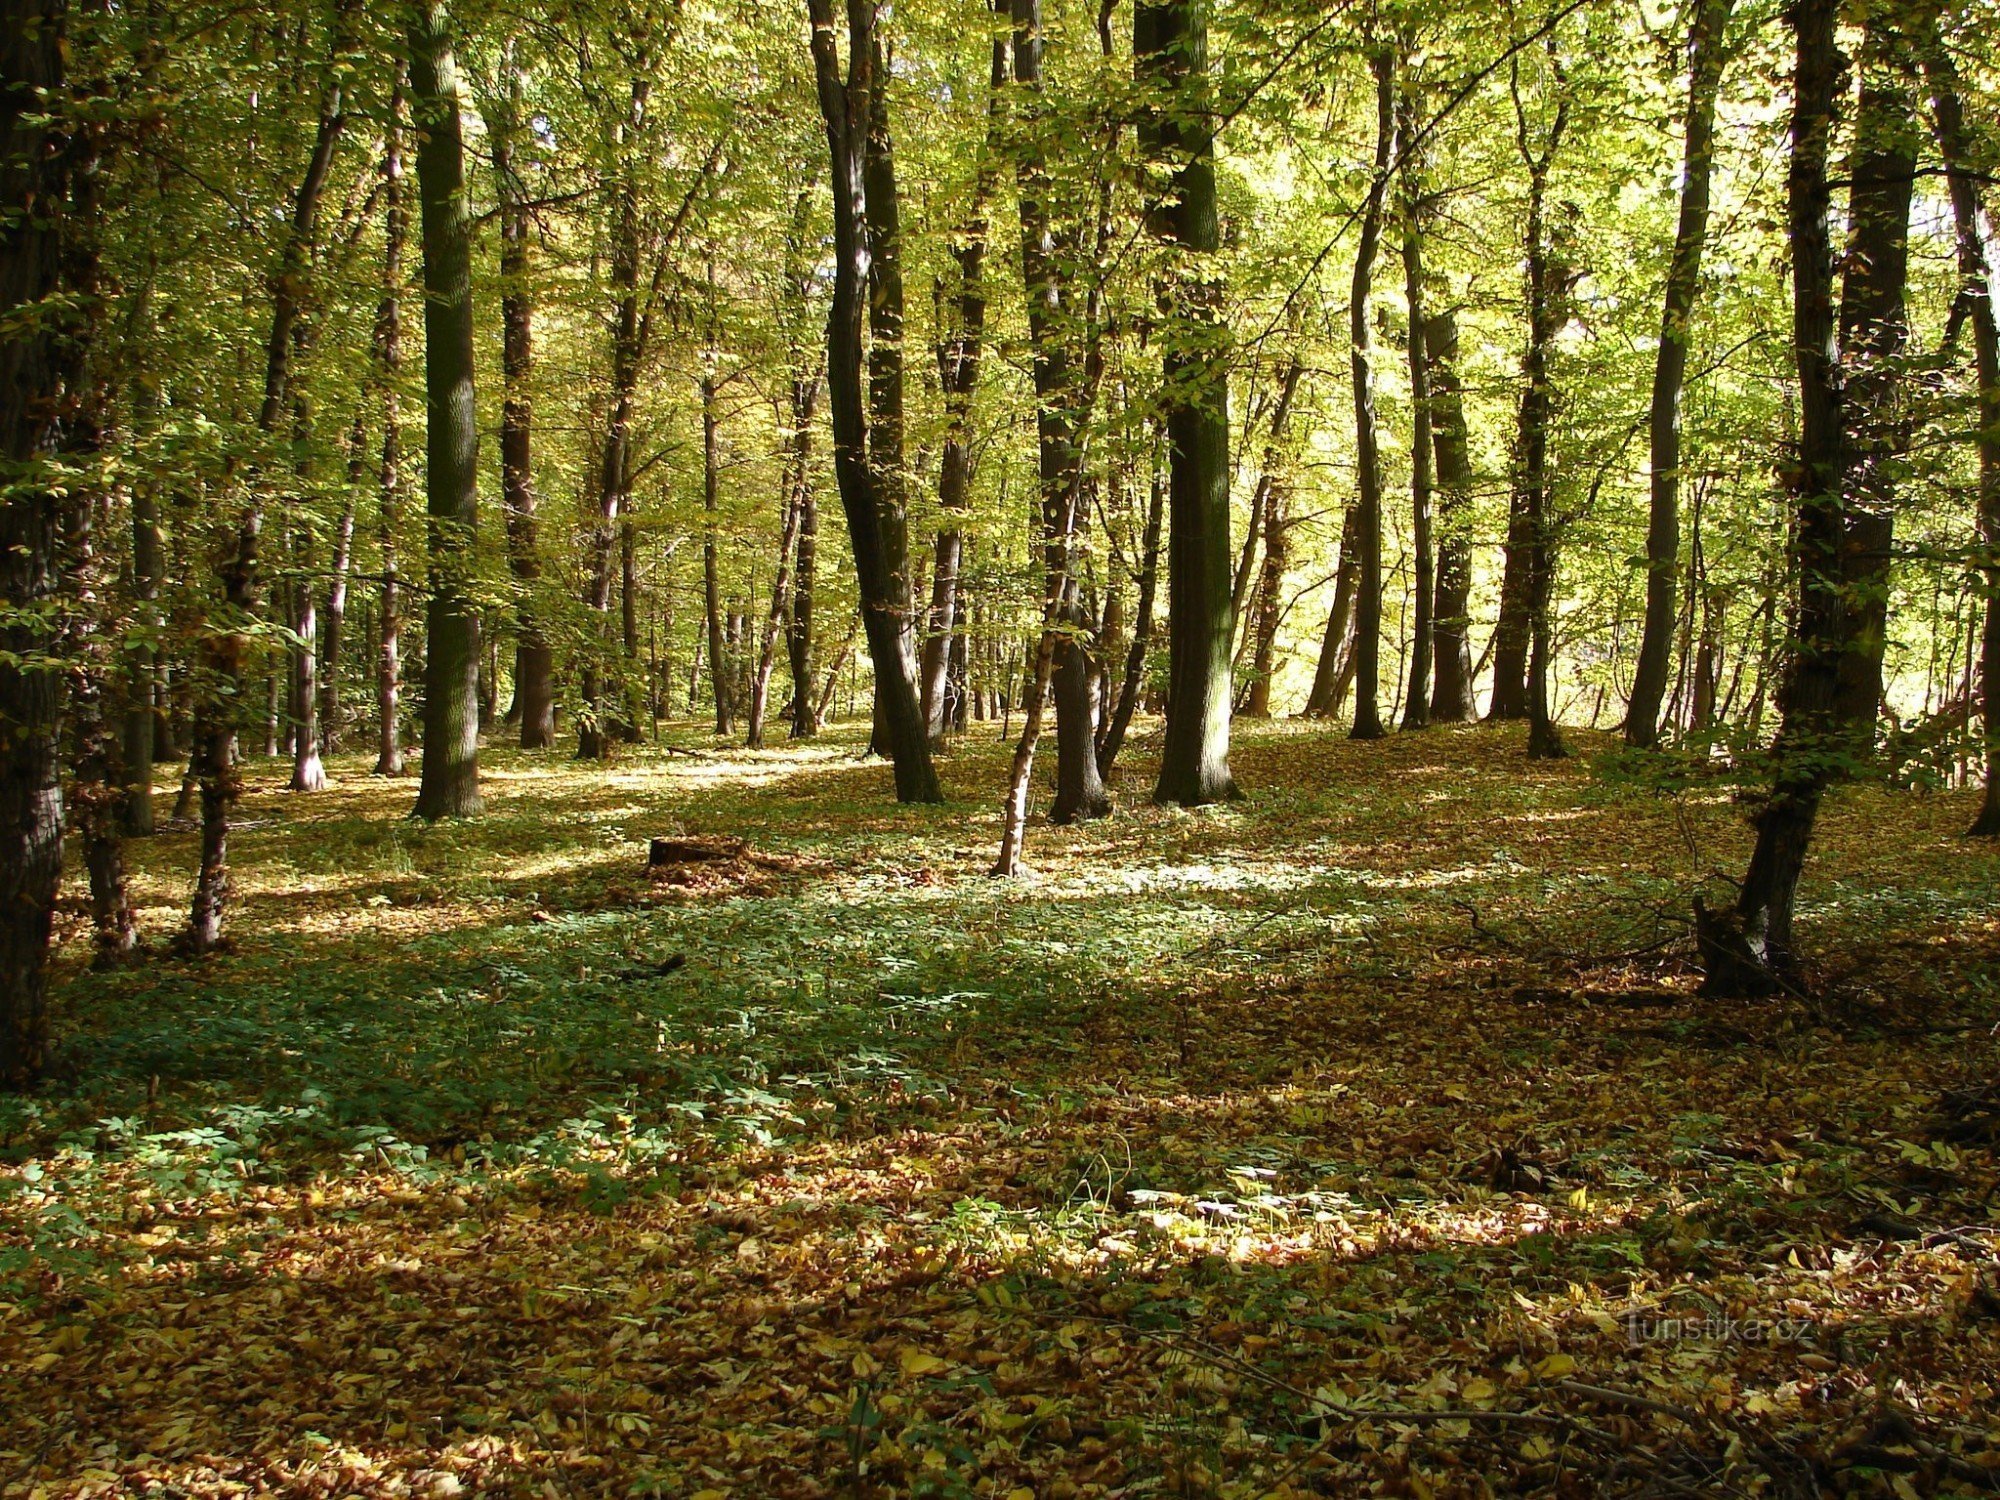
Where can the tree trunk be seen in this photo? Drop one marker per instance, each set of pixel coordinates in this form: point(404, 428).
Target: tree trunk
point(1451, 618)
point(534, 661)
point(1874, 335)
point(1142, 630)
point(1275, 489)
point(1062, 405)
point(222, 651)
point(798, 484)
point(1979, 270)
point(1367, 444)
point(1749, 951)
point(449, 786)
point(143, 677)
point(1415, 211)
point(1706, 55)
point(958, 356)
point(863, 188)
point(388, 354)
point(1170, 60)
point(711, 565)
point(308, 772)
point(799, 632)
point(334, 628)
point(1336, 657)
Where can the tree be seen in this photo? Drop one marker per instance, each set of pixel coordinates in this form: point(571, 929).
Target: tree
point(1367, 442)
point(1176, 134)
point(1706, 51)
point(41, 364)
point(449, 786)
point(854, 115)
point(1749, 951)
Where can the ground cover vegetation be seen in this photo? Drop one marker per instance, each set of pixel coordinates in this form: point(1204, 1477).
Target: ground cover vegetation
point(1359, 861)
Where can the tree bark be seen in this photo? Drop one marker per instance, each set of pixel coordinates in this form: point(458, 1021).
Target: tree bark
point(1274, 487)
point(852, 117)
point(798, 486)
point(1367, 442)
point(1979, 271)
point(1706, 55)
point(1142, 630)
point(534, 661)
point(1451, 617)
point(1335, 672)
point(1170, 61)
point(1415, 209)
point(1749, 951)
point(449, 785)
point(388, 355)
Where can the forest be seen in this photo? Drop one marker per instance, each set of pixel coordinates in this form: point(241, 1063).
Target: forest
point(999, 748)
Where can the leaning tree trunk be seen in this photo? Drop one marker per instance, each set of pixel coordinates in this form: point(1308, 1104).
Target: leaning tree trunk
point(1142, 630)
point(1335, 672)
point(449, 786)
point(1706, 54)
point(1749, 951)
point(1367, 443)
point(1170, 60)
point(1451, 445)
point(1979, 270)
point(851, 116)
point(1274, 503)
point(534, 661)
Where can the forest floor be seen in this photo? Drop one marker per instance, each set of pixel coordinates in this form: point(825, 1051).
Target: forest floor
point(1362, 1137)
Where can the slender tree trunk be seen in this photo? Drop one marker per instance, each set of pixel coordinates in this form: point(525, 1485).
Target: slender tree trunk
point(223, 650)
point(534, 661)
point(449, 784)
point(855, 121)
point(958, 356)
point(799, 632)
point(334, 628)
point(1415, 209)
point(1142, 630)
point(1336, 657)
point(1274, 488)
point(143, 676)
point(798, 483)
point(1979, 270)
point(1750, 951)
point(1451, 616)
point(711, 565)
point(1062, 405)
point(308, 772)
point(1706, 55)
point(1367, 444)
point(388, 354)
point(1170, 60)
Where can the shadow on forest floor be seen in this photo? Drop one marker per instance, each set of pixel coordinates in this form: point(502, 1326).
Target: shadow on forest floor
point(1364, 1136)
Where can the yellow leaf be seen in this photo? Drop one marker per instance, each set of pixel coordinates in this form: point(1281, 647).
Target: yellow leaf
point(1537, 1447)
point(1555, 1367)
point(1479, 1388)
point(1021, 1492)
point(709, 1495)
point(916, 1362)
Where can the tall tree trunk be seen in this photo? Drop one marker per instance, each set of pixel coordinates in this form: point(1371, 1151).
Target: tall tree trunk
point(1706, 55)
point(334, 628)
point(41, 363)
point(1550, 278)
point(143, 674)
point(1451, 615)
point(388, 356)
point(854, 117)
point(1750, 951)
point(534, 661)
point(1979, 270)
point(1874, 335)
point(711, 565)
point(308, 772)
point(614, 468)
point(223, 650)
point(1062, 405)
point(1170, 61)
point(449, 786)
point(958, 356)
point(1415, 210)
point(1367, 444)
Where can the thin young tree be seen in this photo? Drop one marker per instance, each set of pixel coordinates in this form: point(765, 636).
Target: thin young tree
point(1367, 440)
point(1708, 24)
